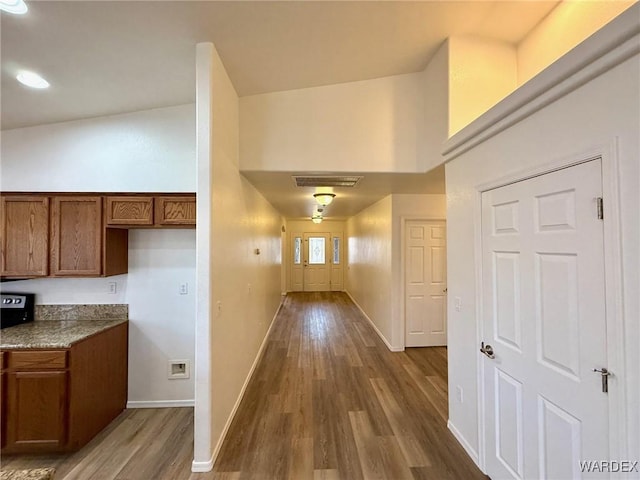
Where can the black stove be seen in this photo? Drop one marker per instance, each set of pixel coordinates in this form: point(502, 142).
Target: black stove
point(16, 308)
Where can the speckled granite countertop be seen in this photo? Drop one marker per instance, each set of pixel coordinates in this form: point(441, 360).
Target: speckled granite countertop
point(53, 333)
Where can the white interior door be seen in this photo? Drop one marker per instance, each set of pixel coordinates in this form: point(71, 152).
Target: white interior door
point(544, 316)
point(425, 283)
point(317, 271)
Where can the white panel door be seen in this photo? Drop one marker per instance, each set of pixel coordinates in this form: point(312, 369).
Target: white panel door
point(317, 271)
point(425, 283)
point(544, 316)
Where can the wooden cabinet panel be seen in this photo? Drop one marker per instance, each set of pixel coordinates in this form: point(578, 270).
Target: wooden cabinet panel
point(36, 410)
point(76, 236)
point(129, 210)
point(175, 210)
point(98, 383)
point(3, 413)
point(24, 232)
point(38, 359)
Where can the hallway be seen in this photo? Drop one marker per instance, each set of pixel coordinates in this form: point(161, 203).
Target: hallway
point(329, 400)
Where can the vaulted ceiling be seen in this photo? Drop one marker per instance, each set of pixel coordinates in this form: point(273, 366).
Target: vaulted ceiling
point(106, 57)
point(109, 57)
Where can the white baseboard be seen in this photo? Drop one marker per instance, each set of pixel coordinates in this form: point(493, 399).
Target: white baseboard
point(161, 404)
point(386, 342)
point(465, 444)
point(202, 467)
point(225, 430)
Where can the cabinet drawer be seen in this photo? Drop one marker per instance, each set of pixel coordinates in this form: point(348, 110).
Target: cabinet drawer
point(37, 359)
point(175, 210)
point(129, 210)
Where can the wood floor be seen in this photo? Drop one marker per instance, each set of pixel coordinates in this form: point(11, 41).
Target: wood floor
point(327, 401)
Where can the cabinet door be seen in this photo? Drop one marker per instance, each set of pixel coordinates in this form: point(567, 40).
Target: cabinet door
point(129, 210)
point(76, 234)
point(3, 413)
point(24, 232)
point(36, 411)
point(176, 210)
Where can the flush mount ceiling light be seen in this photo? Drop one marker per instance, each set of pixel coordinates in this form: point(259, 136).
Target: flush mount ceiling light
point(324, 199)
point(17, 7)
point(316, 219)
point(31, 79)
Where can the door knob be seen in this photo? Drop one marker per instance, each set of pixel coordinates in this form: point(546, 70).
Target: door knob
point(487, 350)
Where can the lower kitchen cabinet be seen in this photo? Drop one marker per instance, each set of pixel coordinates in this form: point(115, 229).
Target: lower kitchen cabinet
point(57, 400)
point(37, 410)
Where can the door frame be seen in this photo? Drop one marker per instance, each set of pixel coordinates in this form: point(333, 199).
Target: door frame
point(616, 354)
point(403, 257)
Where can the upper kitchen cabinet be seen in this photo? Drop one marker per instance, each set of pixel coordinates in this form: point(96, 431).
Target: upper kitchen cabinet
point(80, 246)
point(134, 211)
point(160, 211)
point(176, 210)
point(76, 236)
point(24, 236)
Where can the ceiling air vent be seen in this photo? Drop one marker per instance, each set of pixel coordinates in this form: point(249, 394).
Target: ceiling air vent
point(326, 181)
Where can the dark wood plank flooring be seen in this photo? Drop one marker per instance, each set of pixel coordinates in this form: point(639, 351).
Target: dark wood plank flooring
point(327, 401)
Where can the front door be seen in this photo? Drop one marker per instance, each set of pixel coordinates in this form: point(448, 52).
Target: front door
point(317, 271)
point(425, 283)
point(544, 317)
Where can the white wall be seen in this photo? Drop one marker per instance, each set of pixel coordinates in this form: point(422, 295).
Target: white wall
point(368, 126)
point(162, 326)
point(565, 27)
point(369, 268)
point(481, 73)
point(434, 129)
point(601, 112)
point(245, 287)
point(152, 150)
point(407, 207)
point(144, 151)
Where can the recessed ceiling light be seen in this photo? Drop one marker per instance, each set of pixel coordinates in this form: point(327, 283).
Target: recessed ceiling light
point(32, 80)
point(14, 6)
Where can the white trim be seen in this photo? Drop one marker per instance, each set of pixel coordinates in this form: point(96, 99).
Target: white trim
point(234, 410)
point(614, 301)
point(480, 371)
point(613, 261)
point(161, 404)
point(602, 51)
point(386, 342)
point(202, 467)
point(465, 444)
point(403, 256)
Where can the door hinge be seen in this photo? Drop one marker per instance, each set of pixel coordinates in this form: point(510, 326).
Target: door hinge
point(600, 208)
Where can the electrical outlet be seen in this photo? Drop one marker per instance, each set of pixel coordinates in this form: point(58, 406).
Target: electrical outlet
point(113, 288)
point(459, 394)
point(457, 303)
point(184, 289)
